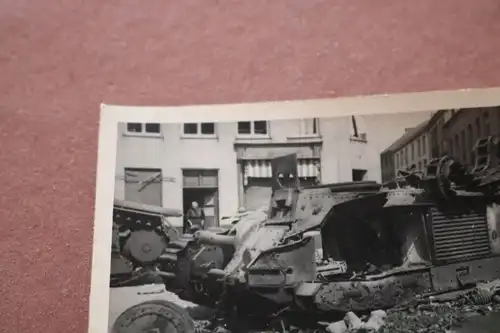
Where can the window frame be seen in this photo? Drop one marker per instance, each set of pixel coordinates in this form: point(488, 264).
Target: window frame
point(143, 132)
point(252, 133)
point(357, 136)
point(198, 134)
point(424, 144)
point(303, 128)
point(418, 143)
point(156, 177)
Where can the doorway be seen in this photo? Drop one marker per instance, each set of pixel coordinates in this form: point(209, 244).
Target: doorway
point(202, 186)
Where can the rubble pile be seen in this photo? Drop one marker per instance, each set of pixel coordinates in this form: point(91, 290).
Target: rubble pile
point(435, 319)
point(440, 314)
point(443, 314)
point(352, 323)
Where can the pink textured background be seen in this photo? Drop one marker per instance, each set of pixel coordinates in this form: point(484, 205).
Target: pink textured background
point(60, 59)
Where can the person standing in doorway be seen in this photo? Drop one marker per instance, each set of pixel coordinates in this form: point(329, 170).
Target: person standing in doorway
point(195, 216)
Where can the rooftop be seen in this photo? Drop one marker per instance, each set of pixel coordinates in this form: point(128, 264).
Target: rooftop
point(409, 135)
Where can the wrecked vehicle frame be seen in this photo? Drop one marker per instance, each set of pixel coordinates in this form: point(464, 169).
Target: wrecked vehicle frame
point(381, 246)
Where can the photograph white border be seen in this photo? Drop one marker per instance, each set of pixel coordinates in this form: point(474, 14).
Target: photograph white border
point(112, 115)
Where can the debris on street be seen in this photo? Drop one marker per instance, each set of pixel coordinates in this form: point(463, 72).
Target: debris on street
point(352, 323)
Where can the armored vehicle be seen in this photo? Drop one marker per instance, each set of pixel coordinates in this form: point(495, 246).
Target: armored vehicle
point(140, 233)
point(433, 232)
point(139, 300)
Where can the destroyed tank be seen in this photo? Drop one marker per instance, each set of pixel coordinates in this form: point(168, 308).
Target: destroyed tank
point(382, 246)
point(139, 300)
point(140, 235)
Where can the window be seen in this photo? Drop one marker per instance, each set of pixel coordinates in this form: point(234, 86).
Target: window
point(412, 151)
point(358, 175)
point(470, 138)
point(144, 186)
point(434, 143)
point(447, 114)
point(356, 133)
point(253, 128)
point(424, 145)
point(486, 123)
point(200, 178)
point(464, 146)
point(199, 129)
point(150, 128)
point(478, 128)
point(419, 147)
point(309, 127)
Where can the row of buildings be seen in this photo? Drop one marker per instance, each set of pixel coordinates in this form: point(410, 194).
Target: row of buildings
point(447, 132)
point(226, 166)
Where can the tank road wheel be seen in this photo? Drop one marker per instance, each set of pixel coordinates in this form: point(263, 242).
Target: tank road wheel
point(145, 246)
point(154, 317)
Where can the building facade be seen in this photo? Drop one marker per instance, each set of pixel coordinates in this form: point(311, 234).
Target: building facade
point(226, 166)
point(411, 150)
point(451, 132)
point(456, 132)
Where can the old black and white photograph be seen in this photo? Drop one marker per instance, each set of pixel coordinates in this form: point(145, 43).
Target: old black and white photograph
point(353, 223)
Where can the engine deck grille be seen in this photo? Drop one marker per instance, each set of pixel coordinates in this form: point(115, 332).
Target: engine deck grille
point(459, 236)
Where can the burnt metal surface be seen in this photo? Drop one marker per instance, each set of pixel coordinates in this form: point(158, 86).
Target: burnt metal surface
point(190, 261)
point(258, 240)
point(295, 261)
point(365, 295)
point(456, 276)
point(316, 205)
point(405, 197)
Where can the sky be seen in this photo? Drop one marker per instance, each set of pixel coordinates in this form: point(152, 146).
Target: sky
point(383, 130)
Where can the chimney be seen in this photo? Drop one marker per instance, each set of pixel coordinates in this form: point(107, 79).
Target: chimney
point(409, 129)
